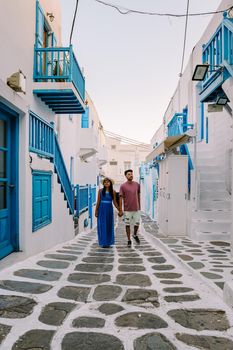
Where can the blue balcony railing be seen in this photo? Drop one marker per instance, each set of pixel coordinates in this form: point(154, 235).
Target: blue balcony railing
point(41, 139)
point(58, 64)
point(93, 195)
point(219, 52)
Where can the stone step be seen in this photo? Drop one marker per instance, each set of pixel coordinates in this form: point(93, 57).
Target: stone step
point(212, 236)
point(211, 225)
point(212, 185)
point(215, 204)
point(214, 195)
point(210, 214)
point(208, 168)
point(212, 176)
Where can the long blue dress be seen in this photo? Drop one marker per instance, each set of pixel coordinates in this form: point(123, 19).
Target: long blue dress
point(105, 222)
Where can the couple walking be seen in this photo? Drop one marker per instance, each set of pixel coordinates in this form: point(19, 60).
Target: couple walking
point(129, 196)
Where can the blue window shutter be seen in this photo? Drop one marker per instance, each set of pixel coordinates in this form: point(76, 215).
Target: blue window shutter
point(39, 25)
point(41, 199)
point(85, 119)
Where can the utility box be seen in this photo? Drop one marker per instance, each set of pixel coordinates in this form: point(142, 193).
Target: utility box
point(173, 195)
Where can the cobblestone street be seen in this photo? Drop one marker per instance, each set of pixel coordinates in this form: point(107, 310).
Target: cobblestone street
point(80, 296)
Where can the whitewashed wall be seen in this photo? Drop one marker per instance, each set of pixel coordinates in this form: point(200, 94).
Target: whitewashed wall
point(219, 146)
point(18, 40)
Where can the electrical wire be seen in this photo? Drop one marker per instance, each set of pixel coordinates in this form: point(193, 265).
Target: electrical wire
point(126, 11)
point(127, 140)
point(185, 35)
point(74, 18)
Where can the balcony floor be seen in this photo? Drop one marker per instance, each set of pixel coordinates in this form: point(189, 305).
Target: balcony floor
point(62, 98)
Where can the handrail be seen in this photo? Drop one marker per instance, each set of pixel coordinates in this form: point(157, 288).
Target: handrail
point(63, 175)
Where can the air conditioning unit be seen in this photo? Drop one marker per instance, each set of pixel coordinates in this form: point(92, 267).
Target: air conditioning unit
point(17, 81)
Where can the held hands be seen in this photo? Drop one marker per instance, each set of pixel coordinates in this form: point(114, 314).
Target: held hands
point(120, 213)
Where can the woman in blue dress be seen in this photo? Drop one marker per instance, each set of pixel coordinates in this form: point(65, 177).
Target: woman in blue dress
point(104, 213)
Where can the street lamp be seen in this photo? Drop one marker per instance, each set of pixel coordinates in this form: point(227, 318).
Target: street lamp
point(51, 16)
point(202, 69)
point(222, 100)
point(200, 72)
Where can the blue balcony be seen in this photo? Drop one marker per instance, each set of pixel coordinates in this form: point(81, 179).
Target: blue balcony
point(218, 53)
point(58, 80)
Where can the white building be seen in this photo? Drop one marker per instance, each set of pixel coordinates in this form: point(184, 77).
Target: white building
point(122, 156)
point(45, 143)
point(196, 133)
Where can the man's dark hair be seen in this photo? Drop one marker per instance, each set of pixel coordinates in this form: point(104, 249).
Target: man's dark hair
point(128, 171)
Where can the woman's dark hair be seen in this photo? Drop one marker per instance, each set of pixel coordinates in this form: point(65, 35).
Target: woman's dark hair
point(110, 188)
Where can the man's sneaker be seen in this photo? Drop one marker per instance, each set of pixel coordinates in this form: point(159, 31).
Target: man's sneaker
point(136, 239)
point(129, 244)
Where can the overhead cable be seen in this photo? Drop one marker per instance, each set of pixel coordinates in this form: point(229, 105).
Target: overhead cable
point(185, 35)
point(126, 11)
point(126, 140)
point(75, 13)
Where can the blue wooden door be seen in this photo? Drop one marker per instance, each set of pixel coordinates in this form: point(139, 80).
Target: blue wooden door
point(8, 239)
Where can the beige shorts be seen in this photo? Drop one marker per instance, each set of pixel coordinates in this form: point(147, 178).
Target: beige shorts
point(132, 218)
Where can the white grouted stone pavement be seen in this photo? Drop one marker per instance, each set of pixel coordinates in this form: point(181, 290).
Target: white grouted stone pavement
point(80, 296)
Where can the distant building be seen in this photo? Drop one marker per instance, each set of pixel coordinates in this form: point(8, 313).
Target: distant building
point(122, 156)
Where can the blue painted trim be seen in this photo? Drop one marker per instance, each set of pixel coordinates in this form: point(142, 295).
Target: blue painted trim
point(13, 121)
point(85, 119)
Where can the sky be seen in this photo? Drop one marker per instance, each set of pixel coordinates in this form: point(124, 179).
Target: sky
point(132, 62)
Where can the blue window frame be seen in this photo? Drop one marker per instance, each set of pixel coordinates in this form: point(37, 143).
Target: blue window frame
point(85, 119)
point(41, 199)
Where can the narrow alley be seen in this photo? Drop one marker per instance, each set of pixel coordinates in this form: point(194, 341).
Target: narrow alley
point(80, 296)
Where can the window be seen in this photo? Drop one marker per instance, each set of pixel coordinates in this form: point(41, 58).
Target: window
point(127, 165)
point(41, 199)
point(113, 162)
point(113, 146)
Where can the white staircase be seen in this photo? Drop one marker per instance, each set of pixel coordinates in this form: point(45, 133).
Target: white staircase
point(212, 219)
